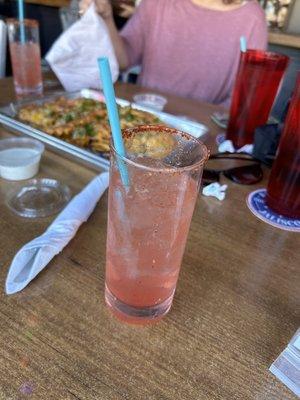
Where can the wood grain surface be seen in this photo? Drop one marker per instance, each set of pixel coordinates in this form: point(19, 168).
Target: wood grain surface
point(235, 309)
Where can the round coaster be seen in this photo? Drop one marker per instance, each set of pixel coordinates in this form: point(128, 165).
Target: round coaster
point(256, 202)
point(220, 138)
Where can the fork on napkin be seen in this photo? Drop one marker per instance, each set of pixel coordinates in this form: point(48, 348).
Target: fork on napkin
point(35, 255)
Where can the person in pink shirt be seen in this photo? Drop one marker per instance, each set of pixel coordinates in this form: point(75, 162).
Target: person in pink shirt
point(189, 48)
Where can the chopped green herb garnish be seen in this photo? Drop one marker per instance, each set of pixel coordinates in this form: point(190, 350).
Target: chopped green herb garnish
point(79, 133)
point(129, 117)
point(69, 117)
point(90, 131)
point(87, 105)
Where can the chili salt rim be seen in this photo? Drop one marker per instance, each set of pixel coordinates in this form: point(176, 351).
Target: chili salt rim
point(166, 169)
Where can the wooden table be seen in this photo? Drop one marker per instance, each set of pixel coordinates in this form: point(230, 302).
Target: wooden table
point(235, 309)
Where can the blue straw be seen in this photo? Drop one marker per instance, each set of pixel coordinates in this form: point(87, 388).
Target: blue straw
point(113, 116)
point(243, 44)
point(21, 20)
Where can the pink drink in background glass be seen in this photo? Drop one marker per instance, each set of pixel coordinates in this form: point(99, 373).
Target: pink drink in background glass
point(25, 57)
point(26, 64)
point(148, 224)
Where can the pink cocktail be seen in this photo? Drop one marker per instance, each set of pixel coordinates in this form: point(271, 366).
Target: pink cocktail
point(25, 56)
point(148, 223)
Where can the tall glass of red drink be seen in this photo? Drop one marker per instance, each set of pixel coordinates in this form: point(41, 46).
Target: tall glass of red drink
point(25, 55)
point(148, 222)
point(257, 82)
point(283, 192)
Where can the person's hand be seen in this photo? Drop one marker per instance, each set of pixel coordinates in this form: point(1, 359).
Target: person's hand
point(84, 5)
point(103, 7)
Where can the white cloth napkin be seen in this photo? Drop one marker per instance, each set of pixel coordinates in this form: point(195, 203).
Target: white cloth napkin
point(73, 57)
point(227, 146)
point(35, 255)
point(215, 190)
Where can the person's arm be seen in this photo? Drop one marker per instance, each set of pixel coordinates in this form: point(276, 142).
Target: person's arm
point(131, 42)
point(104, 9)
point(137, 30)
point(118, 43)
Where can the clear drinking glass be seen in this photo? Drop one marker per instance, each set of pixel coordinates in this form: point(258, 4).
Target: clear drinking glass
point(283, 192)
point(24, 46)
point(257, 82)
point(148, 222)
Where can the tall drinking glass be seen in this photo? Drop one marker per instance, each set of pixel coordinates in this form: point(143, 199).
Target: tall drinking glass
point(148, 222)
point(283, 192)
point(24, 46)
point(257, 82)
